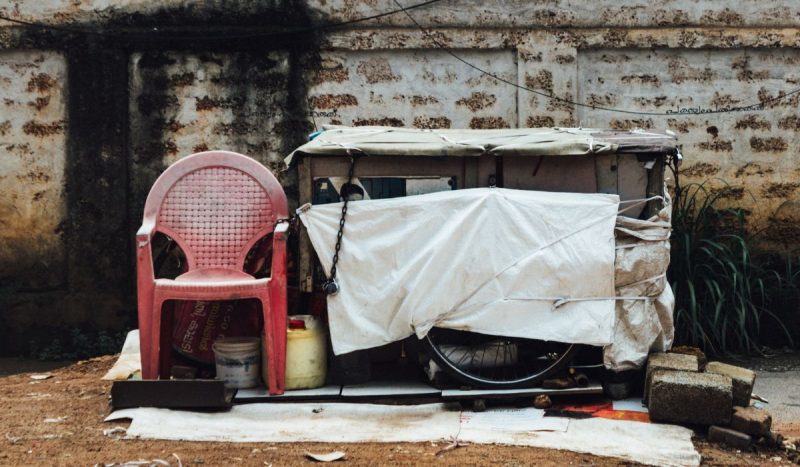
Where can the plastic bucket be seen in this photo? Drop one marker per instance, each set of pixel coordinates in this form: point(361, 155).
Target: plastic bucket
point(238, 361)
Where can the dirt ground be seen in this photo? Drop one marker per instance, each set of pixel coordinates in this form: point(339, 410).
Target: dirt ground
point(59, 421)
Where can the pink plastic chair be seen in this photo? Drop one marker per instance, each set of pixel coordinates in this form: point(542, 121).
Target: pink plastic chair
point(215, 205)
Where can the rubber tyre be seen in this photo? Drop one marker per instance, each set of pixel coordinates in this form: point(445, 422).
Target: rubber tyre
point(483, 383)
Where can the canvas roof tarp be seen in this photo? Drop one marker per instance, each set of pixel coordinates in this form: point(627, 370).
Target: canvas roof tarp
point(390, 141)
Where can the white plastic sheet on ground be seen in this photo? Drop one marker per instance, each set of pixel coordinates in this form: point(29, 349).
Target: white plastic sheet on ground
point(505, 262)
point(129, 361)
point(353, 423)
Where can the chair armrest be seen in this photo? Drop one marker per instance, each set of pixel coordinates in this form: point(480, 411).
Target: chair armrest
point(281, 231)
point(144, 253)
point(145, 234)
point(278, 273)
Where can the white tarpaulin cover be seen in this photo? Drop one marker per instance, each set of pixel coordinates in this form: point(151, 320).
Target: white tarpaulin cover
point(515, 263)
point(646, 443)
point(641, 271)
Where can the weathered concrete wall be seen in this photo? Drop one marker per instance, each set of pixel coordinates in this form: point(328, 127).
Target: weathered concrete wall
point(419, 88)
point(755, 152)
point(175, 77)
point(182, 103)
point(33, 142)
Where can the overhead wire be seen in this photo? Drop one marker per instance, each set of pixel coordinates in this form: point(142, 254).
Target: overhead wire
point(690, 111)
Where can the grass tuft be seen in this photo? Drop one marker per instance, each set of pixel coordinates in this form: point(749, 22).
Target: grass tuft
point(721, 294)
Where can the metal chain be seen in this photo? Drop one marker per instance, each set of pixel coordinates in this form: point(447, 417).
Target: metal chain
point(331, 287)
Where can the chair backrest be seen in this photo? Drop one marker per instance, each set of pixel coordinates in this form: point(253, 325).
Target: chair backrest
point(216, 205)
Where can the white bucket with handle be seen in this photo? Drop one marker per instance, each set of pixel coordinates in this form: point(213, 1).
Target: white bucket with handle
point(238, 361)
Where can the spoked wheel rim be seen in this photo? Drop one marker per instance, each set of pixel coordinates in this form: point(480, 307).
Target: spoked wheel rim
point(484, 361)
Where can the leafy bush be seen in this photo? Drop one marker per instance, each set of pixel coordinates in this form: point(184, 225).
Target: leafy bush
point(721, 294)
point(79, 345)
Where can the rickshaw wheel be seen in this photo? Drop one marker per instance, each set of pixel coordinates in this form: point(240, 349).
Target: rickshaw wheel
point(496, 362)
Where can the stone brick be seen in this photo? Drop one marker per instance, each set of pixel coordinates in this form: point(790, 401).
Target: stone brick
point(668, 361)
point(688, 397)
point(751, 420)
point(743, 380)
point(689, 350)
point(733, 438)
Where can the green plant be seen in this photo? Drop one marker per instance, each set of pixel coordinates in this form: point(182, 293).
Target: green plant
point(80, 344)
point(721, 295)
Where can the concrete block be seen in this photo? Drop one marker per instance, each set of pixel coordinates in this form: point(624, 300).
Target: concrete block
point(689, 350)
point(743, 380)
point(692, 398)
point(733, 438)
point(668, 361)
point(751, 420)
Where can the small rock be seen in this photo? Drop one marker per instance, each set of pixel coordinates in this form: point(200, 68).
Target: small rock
point(743, 380)
point(732, 438)
point(542, 401)
point(752, 421)
point(479, 405)
point(112, 432)
point(55, 419)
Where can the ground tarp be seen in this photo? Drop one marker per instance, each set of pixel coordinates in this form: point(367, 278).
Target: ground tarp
point(129, 361)
point(351, 423)
point(515, 263)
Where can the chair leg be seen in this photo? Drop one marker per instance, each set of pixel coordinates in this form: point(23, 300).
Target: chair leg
point(151, 358)
point(274, 383)
point(167, 314)
point(279, 332)
point(145, 340)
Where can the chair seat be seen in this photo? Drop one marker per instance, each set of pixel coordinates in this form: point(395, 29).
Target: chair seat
point(201, 276)
point(212, 281)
